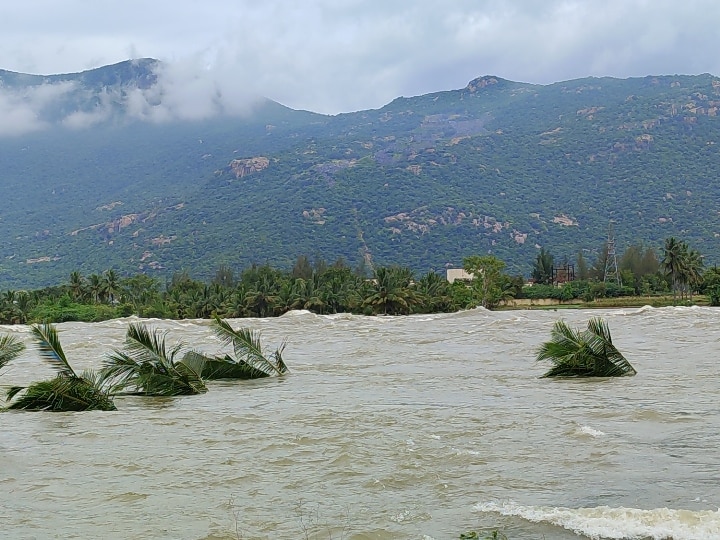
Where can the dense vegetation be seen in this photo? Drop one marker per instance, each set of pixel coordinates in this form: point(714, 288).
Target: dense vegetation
point(497, 168)
point(264, 291)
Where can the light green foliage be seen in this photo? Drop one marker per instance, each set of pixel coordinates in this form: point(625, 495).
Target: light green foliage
point(487, 279)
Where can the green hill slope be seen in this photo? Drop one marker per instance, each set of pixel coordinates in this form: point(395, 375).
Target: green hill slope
point(497, 167)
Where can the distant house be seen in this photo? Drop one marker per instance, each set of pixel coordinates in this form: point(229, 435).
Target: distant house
point(458, 273)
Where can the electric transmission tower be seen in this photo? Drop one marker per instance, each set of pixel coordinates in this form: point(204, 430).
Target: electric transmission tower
point(611, 266)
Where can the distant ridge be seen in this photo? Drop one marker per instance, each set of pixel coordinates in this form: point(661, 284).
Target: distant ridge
point(107, 174)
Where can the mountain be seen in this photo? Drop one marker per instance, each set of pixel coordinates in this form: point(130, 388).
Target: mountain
point(112, 172)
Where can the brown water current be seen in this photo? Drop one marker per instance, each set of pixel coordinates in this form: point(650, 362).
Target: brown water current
point(418, 427)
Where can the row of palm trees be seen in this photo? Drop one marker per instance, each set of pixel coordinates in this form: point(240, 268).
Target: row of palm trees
point(260, 292)
point(146, 366)
point(263, 291)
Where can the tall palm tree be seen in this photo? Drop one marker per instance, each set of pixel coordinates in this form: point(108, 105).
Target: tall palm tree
point(249, 361)
point(148, 367)
point(96, 287)
point(693, 270)
point(77, 286)
point(588, 353)
point(261, 299)
point(68, 391)
point(110, 285)
point(674, 263)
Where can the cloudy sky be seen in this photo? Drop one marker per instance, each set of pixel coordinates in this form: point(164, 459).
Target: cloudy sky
point(335, 56)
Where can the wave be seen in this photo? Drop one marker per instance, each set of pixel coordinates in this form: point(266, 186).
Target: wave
point(604, 522)
point(587, 430)
point(296, 313)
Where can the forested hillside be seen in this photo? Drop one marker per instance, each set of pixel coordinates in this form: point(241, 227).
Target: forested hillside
point(497, 167)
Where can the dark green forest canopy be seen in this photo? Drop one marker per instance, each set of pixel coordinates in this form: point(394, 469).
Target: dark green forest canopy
point(498, 167)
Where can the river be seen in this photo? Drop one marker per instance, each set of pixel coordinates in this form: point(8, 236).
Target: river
point(420, 427)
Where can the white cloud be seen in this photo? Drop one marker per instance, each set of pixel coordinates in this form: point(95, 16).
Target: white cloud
point(21, 110)
point(341, 55)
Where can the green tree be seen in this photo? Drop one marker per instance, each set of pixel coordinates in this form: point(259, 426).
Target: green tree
point(249, 360)
point(302, 269)
point(111, 285)
point(674, 264)
point(391, 292)
point(486, 271)
point(543, 268)
point(96, 288)
point(224, 276)
point(77, 286)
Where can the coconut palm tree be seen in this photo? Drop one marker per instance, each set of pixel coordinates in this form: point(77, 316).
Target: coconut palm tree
point(249, 361)
point(77, 286)
point(588, 353)
point(674, 263)
point(68, 391)
point(96, 287)
point(391, 291)
point(110, 285)
point(148, 367)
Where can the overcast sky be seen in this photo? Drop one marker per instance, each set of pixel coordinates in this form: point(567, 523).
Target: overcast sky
point(335, 56)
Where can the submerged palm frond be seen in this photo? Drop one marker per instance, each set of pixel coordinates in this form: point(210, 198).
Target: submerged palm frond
point(588, 353)
point(62, 394)
point(50, 349)
point(221, 367)
point(250, 360)
point(148, 367)
point(10, 348)
point(67, 391)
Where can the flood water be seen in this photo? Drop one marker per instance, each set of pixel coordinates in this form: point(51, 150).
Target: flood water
point(419, 427)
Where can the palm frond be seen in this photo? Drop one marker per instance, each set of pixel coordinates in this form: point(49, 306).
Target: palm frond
point(149, 347)
point(246, 345)
point(279, 362)
point(118, 369)
point(196, 361)
point(214, 368)
point(10, 348)
point(50, 349)
point(588, 353)
point(13, 391)
point(148, 367)
point(61, 394)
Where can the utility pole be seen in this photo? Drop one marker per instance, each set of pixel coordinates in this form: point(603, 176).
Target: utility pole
point(611, 266)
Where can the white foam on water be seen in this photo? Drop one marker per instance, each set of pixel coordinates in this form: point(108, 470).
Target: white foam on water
point(604, 522)
point(587, 430)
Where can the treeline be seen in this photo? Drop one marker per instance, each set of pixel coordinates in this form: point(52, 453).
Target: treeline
point(638, 271)
point(264, 291)
point(259, 291)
